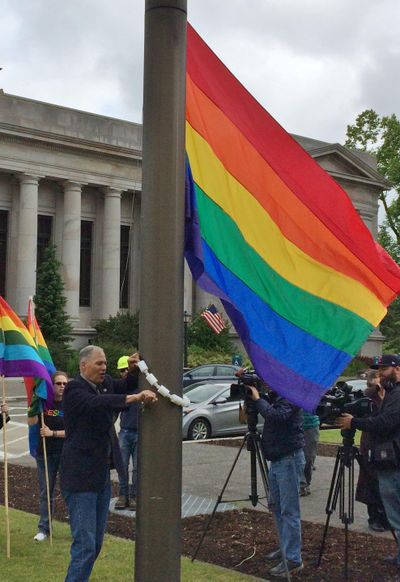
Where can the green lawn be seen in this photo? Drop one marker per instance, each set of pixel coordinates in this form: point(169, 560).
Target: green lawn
point(332, 435)
point(39, 561)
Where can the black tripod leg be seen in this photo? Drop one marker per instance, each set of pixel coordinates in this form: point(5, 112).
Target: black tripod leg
point(333, 494)
point(264, 477)
point(253, 475)
point(263, 468)
point(219, 499)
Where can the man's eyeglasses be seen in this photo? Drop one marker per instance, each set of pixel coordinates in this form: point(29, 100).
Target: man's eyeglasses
point(60, 383)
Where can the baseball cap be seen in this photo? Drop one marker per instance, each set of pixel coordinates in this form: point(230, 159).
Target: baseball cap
point(122, 363)
point(385, 361)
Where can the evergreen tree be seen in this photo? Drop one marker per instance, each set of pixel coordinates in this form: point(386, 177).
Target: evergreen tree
point(50, 300)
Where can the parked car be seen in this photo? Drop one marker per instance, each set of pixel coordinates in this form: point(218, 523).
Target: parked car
point(218, 372)
point(357, 384)
point(213, 411)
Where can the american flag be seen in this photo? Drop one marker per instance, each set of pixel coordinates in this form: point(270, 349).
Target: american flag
point(213, 318)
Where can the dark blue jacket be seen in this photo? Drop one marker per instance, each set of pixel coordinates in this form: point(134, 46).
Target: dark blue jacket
point(90, 439)
point(283, 427)
point(130, 415)
point(384, 426)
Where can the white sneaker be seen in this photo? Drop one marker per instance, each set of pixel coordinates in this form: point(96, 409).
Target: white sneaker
point(40, 536)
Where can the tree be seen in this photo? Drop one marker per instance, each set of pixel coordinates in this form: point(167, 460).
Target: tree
point(50, 300)
point(381, 137)
point(202, 336)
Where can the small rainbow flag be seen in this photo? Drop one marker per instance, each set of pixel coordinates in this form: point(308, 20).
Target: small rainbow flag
point(33, 384)
point(271, 234)
point(19, 355)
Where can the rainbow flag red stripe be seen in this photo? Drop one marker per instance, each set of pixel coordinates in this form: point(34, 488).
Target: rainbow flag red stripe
point(18, 353)
point(276, 238)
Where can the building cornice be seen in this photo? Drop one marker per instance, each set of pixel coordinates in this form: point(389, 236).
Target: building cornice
point(58, 142)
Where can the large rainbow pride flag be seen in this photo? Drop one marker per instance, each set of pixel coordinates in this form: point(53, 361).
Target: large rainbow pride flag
point(19, 355)
point(271, 234)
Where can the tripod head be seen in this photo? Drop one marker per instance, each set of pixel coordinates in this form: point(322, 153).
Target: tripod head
point(348, 436)
point(347, 450)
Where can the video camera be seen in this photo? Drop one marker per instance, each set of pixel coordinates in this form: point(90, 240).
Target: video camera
point(246, 378)
point(340, 399)
point(240, 391)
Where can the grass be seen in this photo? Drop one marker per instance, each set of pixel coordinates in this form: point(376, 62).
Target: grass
point(332, 435)
point(39, 561)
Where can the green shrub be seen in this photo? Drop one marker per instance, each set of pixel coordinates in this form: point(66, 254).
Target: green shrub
point(122, 328)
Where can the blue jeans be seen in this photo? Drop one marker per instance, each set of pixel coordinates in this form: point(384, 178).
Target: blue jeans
point(389, 488)
point(128, 445)
point(53, 463)
point(284, 482)
point(88, 512)
point(311, 438)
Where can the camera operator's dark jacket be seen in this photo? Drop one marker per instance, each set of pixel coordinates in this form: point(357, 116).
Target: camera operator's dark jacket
point(385, 425)
point(90, 439)
point(283, 427)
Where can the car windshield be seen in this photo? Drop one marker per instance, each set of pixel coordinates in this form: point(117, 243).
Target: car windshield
point(203, 392)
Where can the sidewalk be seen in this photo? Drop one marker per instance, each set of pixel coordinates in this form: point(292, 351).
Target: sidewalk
point(206, 467)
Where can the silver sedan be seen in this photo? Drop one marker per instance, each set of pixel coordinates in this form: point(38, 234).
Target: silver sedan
point(213, 411)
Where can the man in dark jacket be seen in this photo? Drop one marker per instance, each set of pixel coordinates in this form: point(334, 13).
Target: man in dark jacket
point(90, 451)
point(384, 428)
point(282, 442)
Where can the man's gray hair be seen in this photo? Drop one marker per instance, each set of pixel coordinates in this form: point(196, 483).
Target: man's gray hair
point(87, 352)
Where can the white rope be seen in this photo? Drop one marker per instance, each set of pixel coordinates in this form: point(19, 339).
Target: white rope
point(152, 380)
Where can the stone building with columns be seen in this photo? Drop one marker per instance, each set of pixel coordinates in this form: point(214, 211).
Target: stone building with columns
point(74, 178)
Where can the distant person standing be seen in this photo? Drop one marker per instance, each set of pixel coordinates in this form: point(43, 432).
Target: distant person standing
point(367, 491)
point(311, 438)
point(127, 438)
point(3, 408)
point(53, 431)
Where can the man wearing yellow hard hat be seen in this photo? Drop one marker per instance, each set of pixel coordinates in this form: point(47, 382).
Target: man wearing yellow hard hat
point(127, 438)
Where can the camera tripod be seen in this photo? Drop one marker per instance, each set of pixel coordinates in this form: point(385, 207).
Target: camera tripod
point(252, 440)
point(342, 489)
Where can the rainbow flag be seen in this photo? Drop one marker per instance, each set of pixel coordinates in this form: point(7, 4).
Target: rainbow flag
point(271, 234)
point(19, 355)
point(33, 384)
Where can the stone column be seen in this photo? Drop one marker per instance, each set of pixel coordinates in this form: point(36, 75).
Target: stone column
point(71, 249)
point(134, 280)
point(111, 252)
point(27, 241)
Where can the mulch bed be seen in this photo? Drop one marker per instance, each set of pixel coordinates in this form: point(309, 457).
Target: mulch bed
point(239, 539)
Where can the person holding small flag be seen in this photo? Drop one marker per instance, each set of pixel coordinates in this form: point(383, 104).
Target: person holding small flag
point(53, 431)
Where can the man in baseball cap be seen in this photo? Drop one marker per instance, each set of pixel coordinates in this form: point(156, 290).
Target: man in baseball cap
point(386, 361)
point(384, 428)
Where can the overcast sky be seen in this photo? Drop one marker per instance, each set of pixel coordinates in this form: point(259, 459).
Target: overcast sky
point(314, 64)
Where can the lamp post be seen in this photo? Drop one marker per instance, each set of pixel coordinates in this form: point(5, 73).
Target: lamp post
point(186, 320)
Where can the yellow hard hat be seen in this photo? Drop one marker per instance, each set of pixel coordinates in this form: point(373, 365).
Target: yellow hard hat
point(122, 363)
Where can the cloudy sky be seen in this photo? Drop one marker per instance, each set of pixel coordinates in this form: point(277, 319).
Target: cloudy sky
point(314, 64)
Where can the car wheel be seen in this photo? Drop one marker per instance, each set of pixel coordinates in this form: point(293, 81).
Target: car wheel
point(199, 430)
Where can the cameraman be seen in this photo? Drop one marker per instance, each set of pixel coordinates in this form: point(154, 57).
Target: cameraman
point(282, 442)
point(385, 436)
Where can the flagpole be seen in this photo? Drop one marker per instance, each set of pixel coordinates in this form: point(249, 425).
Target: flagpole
point(8, 552)
point(46, 471)
point(158, 517)
point(31, 312)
